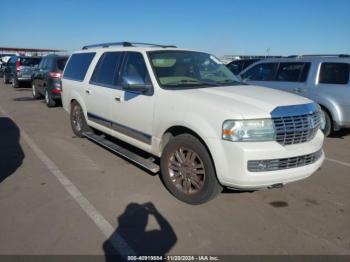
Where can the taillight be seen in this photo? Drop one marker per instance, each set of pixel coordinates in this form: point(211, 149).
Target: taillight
point(55, 74)
point(56, 90)
point(18, 64)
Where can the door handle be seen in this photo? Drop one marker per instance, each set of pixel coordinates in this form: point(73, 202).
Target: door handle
point(88, 91)
point(297, 90)
point(118, 98)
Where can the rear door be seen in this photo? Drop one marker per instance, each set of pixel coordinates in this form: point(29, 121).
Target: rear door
point(101, 90)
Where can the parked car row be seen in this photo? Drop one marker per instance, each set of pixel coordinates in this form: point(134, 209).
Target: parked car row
point(42, 73)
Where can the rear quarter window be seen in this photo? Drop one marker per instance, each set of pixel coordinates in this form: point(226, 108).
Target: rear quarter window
point(77, 66)
point(61, 62)
point(334, 73)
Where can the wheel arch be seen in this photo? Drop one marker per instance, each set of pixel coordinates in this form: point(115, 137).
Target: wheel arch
point(176, 130)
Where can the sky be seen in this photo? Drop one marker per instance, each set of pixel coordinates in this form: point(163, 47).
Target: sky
point(220, 27)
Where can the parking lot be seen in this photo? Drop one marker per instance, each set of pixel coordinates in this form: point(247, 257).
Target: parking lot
point(60, 194)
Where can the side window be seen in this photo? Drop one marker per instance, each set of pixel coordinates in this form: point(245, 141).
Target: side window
point(106, 69)
point(334, 73)
point(42, 63)
point(235, 67)
point(261, 72)
point(135, 66)
point(292, 72)
point(13, 60)
point(77, 66)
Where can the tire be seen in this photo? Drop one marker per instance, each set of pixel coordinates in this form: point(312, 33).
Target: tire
point(50, 102)
point(78, 121)
point(6, 80)
point(15, 83)
point(191, 185)
point(35, 93)
point(328, 129)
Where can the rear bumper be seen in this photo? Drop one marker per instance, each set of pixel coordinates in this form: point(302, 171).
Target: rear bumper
point(24, 79)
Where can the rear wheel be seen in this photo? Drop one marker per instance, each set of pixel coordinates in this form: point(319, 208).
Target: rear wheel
point(187, 170)
point(77, 120)
point(6, 80)
point(14, 82)
point(50, 102)
point(327, 130)
point(35, 93)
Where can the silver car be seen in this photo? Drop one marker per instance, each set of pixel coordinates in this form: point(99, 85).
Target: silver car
point(322, 78)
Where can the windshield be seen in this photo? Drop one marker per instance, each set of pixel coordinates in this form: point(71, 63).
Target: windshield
point(188, 69)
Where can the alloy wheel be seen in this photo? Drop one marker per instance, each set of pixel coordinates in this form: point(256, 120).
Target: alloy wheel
point(186, 170)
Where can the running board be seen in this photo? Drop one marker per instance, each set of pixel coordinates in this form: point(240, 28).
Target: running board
point(146, 163)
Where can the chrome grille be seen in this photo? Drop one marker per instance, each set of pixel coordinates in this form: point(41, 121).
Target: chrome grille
point(297, 129)
point(283, 163)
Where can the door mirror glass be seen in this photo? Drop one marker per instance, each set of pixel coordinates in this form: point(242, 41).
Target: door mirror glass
point(135, 84)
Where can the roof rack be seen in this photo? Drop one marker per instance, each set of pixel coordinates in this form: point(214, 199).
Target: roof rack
point(125, 44)
point(320, 55)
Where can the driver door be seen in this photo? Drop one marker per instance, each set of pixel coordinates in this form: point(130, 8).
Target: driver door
point(132, 112)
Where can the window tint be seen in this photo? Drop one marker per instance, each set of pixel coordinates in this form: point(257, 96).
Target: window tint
point(261, 72)
point(249, 62)
point(30, 61)
point(106, 68)
point(235, 67)
point(135, 67)
point(13, 60)
point(78, 65)
point(61, 62)
point(42, 63)
point(334, 73)
point(291, 72)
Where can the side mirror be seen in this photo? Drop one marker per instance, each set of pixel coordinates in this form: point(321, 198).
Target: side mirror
point(135, 84)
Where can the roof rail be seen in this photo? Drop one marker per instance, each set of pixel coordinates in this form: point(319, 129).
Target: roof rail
point(319, 55)
point(125, 44)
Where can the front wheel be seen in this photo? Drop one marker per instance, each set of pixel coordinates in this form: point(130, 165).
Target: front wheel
point(187, 170)
point(327, 130)
point(77, 120)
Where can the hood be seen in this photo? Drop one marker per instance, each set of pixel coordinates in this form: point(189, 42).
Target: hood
point(246, 100)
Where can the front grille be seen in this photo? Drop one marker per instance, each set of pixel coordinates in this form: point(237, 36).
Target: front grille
point(283, 163)
point(297, 129)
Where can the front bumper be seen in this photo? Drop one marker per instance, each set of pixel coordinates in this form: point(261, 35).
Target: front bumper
point(231, 159)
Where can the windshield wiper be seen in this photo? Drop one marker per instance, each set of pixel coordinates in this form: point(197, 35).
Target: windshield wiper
point(188, 81)
point(229, 81)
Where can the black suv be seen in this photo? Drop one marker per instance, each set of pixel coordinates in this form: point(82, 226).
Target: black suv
point(47, 79)
point(20, 69)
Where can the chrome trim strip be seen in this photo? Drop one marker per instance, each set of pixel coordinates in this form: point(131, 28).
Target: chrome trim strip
point(294, 110)
point(268, 165)
point(138, 135)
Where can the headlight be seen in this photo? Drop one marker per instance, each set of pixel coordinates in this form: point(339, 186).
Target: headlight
point(248, 130)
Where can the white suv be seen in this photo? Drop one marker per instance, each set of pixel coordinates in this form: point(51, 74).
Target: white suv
point(186, 108)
